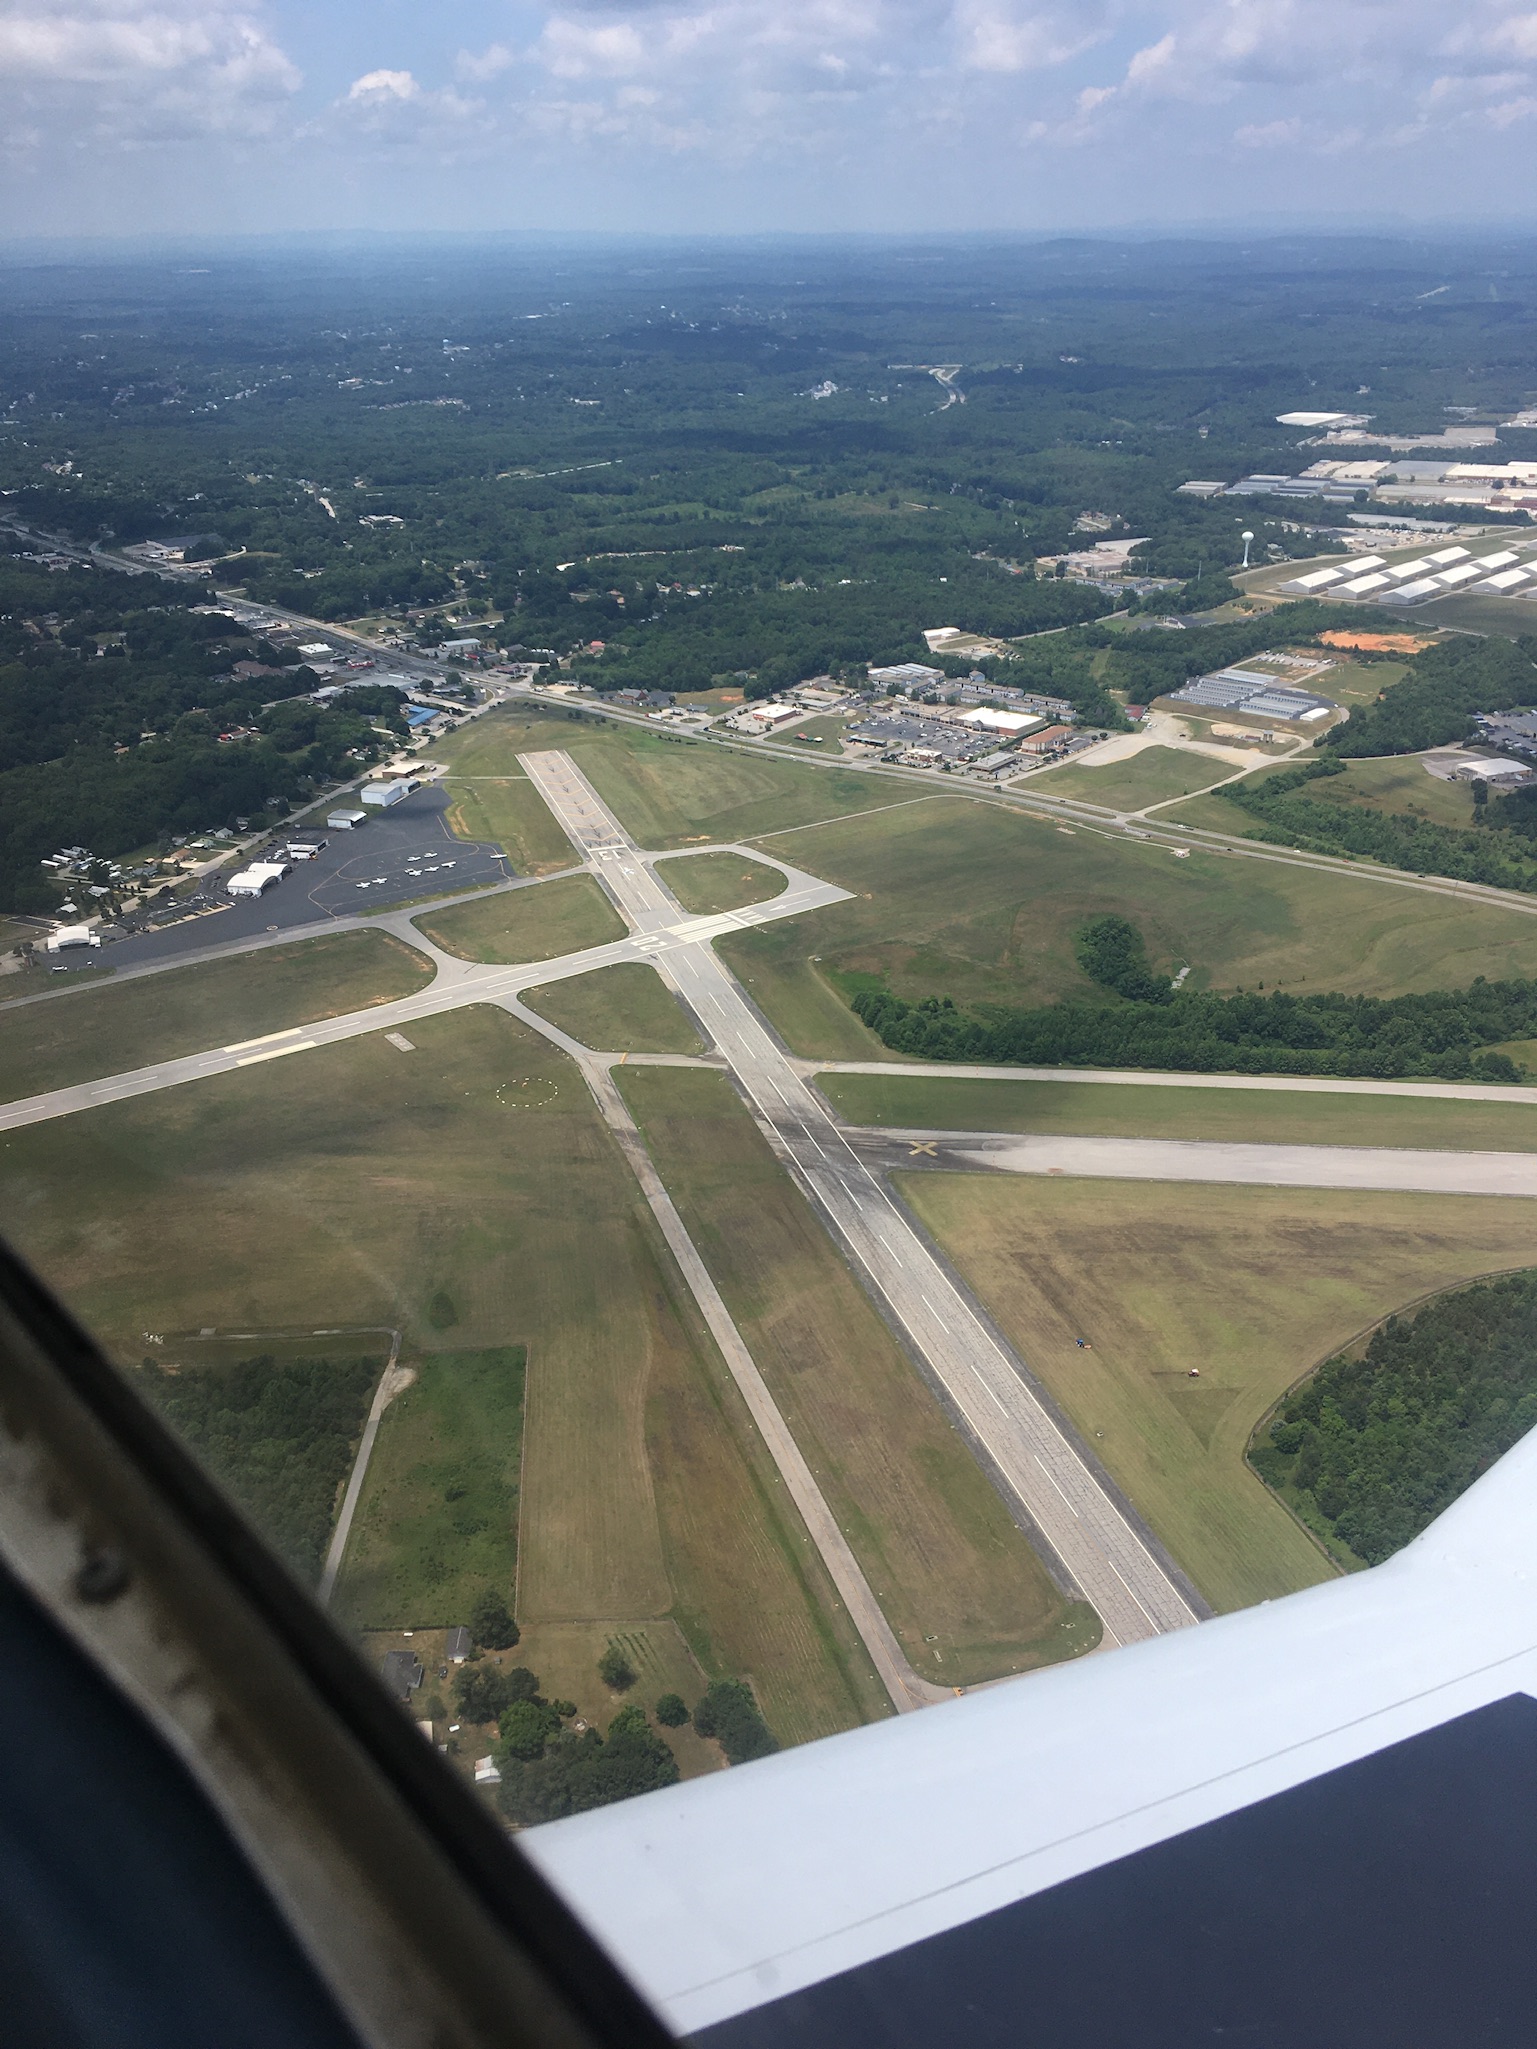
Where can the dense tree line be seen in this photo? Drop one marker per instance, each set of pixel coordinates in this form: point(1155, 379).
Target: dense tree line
point(1434, 705)
point(1438, 1033)
point(279, 1434)
point(1382, 1443)
point(1396, 838)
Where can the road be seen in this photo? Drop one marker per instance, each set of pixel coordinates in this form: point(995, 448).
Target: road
point(1180, 1159)
point(1103, 1553)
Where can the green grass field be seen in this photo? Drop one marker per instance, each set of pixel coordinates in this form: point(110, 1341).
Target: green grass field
point(668, 791)
point(438, 1517)
point(627, 1008)
point(351, 1185)
point(560, 917)
point(1146, 778)
point(1396, 783)
point(1356, 682)
point(509, 810)
point(1481, 612)
point(720, 882)
point(112, 1027)
point(1254, 1286)
point(1258, 1116)
point(956, 1579)
point(1393, 783)
point(980, 902)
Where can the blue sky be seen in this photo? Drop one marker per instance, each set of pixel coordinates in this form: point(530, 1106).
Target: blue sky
point(123, 116)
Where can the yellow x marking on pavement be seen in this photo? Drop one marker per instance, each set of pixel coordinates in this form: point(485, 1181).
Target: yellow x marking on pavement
point(915, 1150)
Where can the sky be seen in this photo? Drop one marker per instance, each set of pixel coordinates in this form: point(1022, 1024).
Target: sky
point(727, 116)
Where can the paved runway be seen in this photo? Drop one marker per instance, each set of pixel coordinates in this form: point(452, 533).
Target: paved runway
point(1148, 1078)
point(1180, 1159)
point(1108, 1558)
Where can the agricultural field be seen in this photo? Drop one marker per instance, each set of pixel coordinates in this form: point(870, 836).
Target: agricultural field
point(514, 925)
point(508, 810)
point(77, 1035)
point(626, 1008)
point(491, 1182)
point(957, 1581)
point(437, 1521)
point(1243, 1116)
point(1152, 776)
point(720, 882)
point(668, 790)
point(980, 902)
point(1252, 1287)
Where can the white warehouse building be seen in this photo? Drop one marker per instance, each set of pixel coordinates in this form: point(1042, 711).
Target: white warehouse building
point(257, 879)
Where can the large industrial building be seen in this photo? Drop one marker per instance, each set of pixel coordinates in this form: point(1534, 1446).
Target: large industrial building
point(1255, 694)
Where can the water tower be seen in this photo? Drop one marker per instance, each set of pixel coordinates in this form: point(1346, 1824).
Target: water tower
point(1247, 540)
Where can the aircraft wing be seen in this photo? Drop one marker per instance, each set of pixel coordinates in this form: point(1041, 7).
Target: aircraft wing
point(1311, 1823)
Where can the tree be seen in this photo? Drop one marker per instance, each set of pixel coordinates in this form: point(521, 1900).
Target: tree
point(526, 1727)
point(491, 1622)
point(730, 1714)
point(485, 1693)
point(615, 1669)
point(441, 1313)
point(1480, 793)
point(672, 1711)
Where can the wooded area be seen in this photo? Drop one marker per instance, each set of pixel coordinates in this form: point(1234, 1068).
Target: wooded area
point(1149, 1023)
point(1383, 1442)
point(279, 1434)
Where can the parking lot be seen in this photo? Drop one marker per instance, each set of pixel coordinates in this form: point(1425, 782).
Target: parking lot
point(399, 854)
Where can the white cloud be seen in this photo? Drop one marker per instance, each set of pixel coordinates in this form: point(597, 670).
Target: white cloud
point(479, 67)
point(992, 38)
point(897, 94)
point(383, 89)
point(133, 74)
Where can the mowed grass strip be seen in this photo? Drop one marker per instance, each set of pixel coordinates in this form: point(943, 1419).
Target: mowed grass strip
point(357, 1185)
point(509, 810)
point(720, 882)
point(1251, 1286)
point(438, 1517)
point(542, 923)
point(668, 791)
point(1149, 777)
point(1114, 1110)
point(957, 1580)
point(627, 1008)
point(980, 902)
point(113, 1027)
